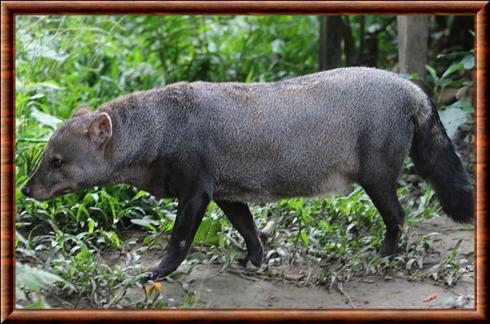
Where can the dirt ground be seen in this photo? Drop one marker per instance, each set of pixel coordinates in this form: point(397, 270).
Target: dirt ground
point(233, 288)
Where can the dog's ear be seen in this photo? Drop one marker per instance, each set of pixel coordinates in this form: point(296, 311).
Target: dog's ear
point(100, 130)
point(80, 111)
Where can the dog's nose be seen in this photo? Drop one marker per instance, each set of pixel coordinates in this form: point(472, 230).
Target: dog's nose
point(27, 191)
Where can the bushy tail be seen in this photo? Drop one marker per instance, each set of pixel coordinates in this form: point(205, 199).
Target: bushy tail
point(436, 160)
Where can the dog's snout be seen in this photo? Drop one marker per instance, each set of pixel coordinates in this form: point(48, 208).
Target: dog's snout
point(27, 191)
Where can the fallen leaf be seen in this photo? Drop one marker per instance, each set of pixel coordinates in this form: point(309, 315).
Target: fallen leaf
point(430, 298)
point(369, 281)
point(155, 286)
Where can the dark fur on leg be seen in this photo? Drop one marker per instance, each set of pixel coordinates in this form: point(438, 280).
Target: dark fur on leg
point(189, 216)
point(241, 218)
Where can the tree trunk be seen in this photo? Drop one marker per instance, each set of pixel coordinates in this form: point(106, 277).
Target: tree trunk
point(413, 32)
point(459, 35)
point(371, 56)
point(330, 42)
point(362, 39)
point(349, 43)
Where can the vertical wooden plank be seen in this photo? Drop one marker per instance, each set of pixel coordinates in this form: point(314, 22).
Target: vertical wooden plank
point(7, 162)
point(481, 168)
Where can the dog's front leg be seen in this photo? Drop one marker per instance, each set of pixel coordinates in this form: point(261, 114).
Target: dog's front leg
point(190, 212)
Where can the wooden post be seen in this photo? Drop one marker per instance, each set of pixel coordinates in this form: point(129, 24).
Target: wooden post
point(413, 33)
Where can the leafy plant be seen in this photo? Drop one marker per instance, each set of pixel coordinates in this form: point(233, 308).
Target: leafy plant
point(86, 249)
point(442, 81)
point(29, 282)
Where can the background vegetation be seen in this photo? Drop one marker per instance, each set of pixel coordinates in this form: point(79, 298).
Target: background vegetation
point(64, 61)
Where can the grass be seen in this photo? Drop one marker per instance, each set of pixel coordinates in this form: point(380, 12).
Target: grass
point(63, 246)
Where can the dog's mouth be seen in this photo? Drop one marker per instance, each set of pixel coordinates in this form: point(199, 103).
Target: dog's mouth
point(61, 190)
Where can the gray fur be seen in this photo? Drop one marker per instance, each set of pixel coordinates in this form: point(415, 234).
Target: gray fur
point(265, 141)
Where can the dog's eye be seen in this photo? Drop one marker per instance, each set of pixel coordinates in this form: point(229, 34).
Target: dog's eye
point(56, 163)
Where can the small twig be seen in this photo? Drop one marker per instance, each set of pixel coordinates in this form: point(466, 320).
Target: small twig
point(242, 275)
point(453, 291)
point(117, 299)
point(414, 275)
point(444, 286)
point(217, 273)
point(341, 290)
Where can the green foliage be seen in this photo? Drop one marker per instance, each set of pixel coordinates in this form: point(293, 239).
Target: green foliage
point(88, 243)
point(453, 95)
point(379, 43)
point(465, 62)
point(450, 270)
point(28, 284)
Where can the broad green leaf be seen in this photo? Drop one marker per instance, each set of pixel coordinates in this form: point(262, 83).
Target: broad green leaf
point(33, 278)
point(84, 255)
point(45, 119)
point(469, 62)
point(37, 96)
point(91, 225)
point(276, 45)
point(208, 232)
point(462, 104)
point(51, 85)
point(140, 194)
point(451, 69)
point(452, 118)
point(145, 221)
point(432, 72)
point(115, 241)
point(20, 238)
point(304, 237)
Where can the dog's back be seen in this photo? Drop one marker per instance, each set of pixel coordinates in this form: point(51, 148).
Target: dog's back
point(304, 136)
